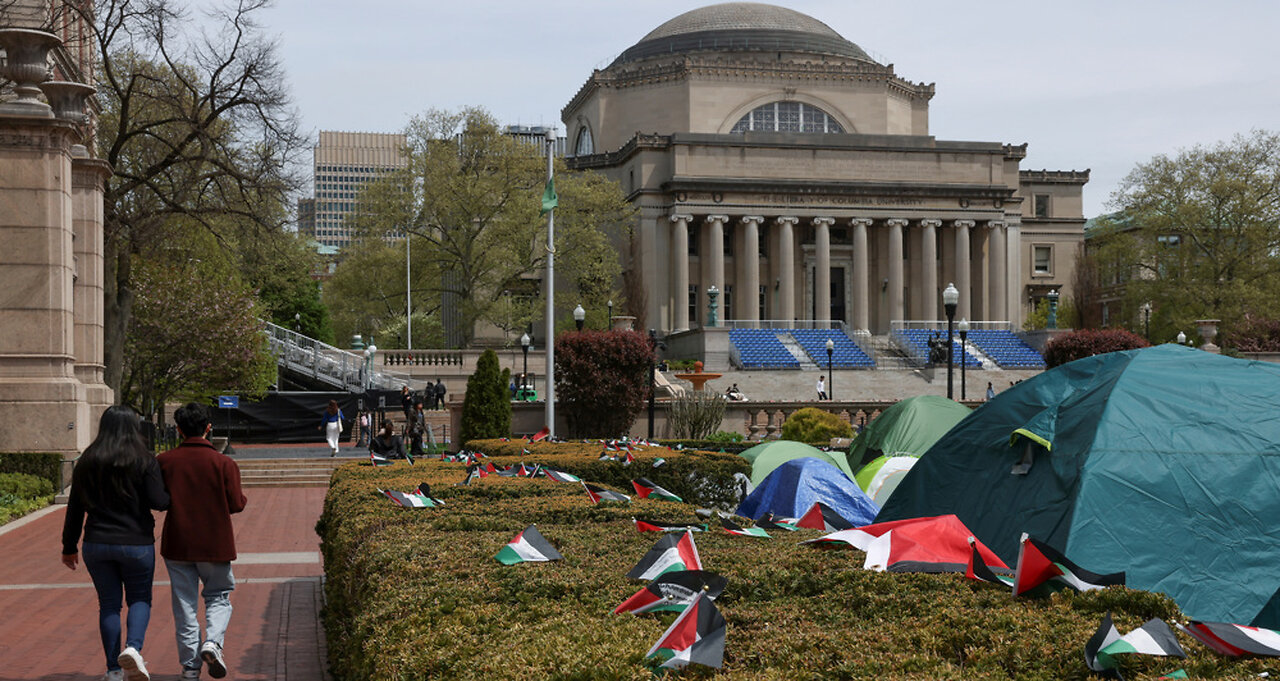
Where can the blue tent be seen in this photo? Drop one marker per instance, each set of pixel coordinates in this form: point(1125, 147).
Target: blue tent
point(792, 488)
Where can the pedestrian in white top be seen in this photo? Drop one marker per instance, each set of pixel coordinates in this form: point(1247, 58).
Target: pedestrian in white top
point(822, 388)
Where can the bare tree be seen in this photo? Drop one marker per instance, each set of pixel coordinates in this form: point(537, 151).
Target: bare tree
point(197, 124)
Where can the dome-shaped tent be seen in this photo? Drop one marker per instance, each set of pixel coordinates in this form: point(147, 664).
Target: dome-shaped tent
point(795, 485)
point(908, 428)
point(1162, 462)
point(774, 454)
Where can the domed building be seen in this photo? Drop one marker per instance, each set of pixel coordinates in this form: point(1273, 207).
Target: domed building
point(773, 159)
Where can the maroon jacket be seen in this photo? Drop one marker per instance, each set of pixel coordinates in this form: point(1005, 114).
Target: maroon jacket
point(204, 490)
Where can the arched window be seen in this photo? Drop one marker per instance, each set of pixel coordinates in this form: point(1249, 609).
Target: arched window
point(787, 117)
point(584, 146)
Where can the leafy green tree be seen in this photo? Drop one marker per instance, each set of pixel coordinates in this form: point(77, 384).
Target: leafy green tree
point(1197, 233)
point(602, 380)
point(366, 295)
point(486, 408)
point(470, 197)
point(195, 335)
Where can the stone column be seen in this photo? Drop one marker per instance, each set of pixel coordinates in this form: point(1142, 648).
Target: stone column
point(42, 403)
point(787, 268)
point(680, 271)
point(998, 308)
point(1013, 256)
point(896, 310)
point(929, 277)
point(963, 281)
point(747, 305)
point(87, 178)
point(861, 270)
point(822, 274)
point(715, 227)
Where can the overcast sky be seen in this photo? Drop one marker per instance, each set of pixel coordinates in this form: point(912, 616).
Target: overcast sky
point(1094, 84)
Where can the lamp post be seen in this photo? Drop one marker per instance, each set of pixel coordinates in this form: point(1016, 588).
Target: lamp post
point(950, 298)
point(831, 347)
point(297, 323)
point(964, 334)
point(579, 316)
point(369, 360)
point(525, 341)
point(1146, 321)
point(653, 380)
point(609, 324)
point(1052, 321)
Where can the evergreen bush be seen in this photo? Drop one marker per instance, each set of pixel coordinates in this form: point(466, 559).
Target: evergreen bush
point(486, 408)
point(812, 424)
point(1069, 347)
point(602, 380)
point(47, 465)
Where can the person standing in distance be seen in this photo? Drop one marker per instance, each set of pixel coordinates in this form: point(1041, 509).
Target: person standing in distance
point(822, 388)
point(198, 541)
point(117, 483)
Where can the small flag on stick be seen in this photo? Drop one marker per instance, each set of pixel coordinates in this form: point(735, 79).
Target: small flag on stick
point(528, 546)
point(647, 489)
point(673, 591)
point(599, 494)
point(733, 528)
point(696, 637)
point(1040, 564)
point(670, 554)
point(1152, 638)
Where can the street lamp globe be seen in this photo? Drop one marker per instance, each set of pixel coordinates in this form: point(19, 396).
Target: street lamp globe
point(950, 298)
point(1182, 338)
point(579, 316)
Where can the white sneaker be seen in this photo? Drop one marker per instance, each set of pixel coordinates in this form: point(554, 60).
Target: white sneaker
point(211, 653)
point(190, 674)
point(114, 675)
point(131, 663)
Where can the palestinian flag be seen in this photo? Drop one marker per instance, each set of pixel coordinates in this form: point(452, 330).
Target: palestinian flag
point(1179, 674)
point(647, 489)
point(1235, 640)
point(561, 476)
point(540, 435)
point(510, 471)
point(733, 528)
point(599, 494)
point(489, 467)
point(655, 526)
point(979, 570)
point(628, 459)
point(1152, 638)
point(528, 546)
point(673, 591)
point(658, 462)
point(425, 490)
point(772, 522)
point(610, 447)
point(821, 517)
point(696, 637)
point(672, 553)
point(376, 460)
point(411, 500)
point(1040, 564)
point(605, 456)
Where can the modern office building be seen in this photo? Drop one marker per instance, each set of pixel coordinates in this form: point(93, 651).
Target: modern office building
point(343, 163)
point(782, 165)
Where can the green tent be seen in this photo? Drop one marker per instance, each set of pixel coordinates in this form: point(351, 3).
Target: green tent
point(908, 428)
point(1162, 462)
point(774, 454)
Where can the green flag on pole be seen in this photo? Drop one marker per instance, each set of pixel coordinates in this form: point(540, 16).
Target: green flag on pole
point(549, 198)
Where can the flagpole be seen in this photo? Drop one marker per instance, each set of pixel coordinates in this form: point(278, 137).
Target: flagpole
point(550, 352)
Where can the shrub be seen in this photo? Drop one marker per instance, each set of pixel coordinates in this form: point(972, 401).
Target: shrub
point(22, 493)
point(417, 594)
point(812, 424)
point(602, 380)
point(1069, 347)
point(696, 414)
point(725, 437)
point(486, 408)
point(47, 465)
point(1253, 334)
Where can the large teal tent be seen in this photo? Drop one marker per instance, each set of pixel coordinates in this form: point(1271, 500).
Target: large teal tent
point(1162, 462)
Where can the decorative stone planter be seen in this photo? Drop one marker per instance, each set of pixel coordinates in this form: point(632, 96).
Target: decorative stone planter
point(1208, 331)
point(67, 99)
point(27, 65)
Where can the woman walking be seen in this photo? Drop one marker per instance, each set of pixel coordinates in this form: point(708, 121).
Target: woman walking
point(332, 426)
point(116, 484)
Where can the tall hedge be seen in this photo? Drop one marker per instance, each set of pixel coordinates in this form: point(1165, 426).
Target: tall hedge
point(47, 465)
point(602, 380)
point(486, 408)
point(1069, 347)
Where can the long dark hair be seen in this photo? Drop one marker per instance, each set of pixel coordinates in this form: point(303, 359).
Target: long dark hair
point(117, 454)
point(333, 407)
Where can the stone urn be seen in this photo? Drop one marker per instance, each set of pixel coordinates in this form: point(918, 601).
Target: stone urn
point(1208, 331)
point(67, 99)
point(27, 65)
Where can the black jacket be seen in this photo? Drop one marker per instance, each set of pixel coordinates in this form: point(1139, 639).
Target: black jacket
point(393, 449)
point(122, 519)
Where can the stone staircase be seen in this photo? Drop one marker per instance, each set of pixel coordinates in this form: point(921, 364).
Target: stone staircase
point(288, 472)
point(796, 351)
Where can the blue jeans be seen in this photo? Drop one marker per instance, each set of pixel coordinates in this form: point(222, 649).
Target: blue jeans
point(185, 578)
point(112, 566)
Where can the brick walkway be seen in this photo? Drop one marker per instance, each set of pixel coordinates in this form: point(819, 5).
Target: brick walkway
point(49, 627)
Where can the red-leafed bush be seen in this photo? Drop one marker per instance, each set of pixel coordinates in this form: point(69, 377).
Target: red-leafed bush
point(602, 380)
point(1253, 334)
point(1088, 342)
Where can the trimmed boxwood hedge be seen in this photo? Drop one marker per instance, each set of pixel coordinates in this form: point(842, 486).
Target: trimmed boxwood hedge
point(417, 594)
point(47, 465)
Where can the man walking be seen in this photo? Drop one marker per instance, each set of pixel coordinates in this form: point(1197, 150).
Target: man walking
point(198, 542)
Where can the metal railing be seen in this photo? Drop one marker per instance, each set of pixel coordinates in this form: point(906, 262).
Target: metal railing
point(342, 369)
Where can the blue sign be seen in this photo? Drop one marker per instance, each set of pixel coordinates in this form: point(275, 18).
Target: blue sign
point(228, 401)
